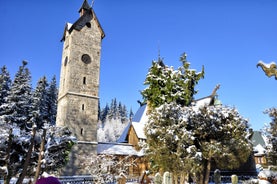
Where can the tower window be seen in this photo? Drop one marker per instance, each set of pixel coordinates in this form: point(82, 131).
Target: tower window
point(86, 58)
point(88, 24)
point(81, 131)
point(83, 107)
point(65, 61)
point(84, 80)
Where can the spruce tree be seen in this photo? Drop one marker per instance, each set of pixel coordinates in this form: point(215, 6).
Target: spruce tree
point(5, 85)
point(183, 138)
point(271, 132)
point(52, 98)
point(40, 103)
point(104, 113)
point(166, 85)
point(131, 114)
point(19, 99)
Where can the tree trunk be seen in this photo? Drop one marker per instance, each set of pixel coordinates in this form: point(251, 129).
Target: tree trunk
point(28, 157)
point(207, 170)
point(8, 177)
point(184, 178)
point(41, 154)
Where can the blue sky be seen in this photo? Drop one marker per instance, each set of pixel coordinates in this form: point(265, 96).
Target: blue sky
point(227, 37)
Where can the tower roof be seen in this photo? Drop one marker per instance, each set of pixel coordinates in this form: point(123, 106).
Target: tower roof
point(86, 15)
point(85, 6)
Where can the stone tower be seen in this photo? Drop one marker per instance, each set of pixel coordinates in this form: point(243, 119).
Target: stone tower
point(79, 83)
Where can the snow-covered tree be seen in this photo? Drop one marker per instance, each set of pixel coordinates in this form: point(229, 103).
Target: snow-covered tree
point(18, 107)
point(52, 98)
point(15, 145)
point(131, 114)
point(104, 113)
point(40, 103)
point(165, 85)
point(111, 130)
point(185, 139)
point(116, 110)
point(5, 85)
point(170, 146)
point(220, 134)
point(271, 132)
point(107, 168)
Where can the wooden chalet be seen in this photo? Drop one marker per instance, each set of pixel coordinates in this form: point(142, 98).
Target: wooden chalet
point(260, 147)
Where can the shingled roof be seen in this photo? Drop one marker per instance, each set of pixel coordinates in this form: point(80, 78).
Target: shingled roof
point(83, 20)
point(85, 6)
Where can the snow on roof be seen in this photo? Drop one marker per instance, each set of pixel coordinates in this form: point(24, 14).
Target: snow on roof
point(140, 115)
point(68, 25)
point(123, 136)
point(202, 102)
point(139, 129)
point(258, 139)
point(259, 150)
point(116, 149)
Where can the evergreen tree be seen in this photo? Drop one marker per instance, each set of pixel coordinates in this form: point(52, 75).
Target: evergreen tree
point(272, 135)
point(123, 113)
point(189, 139)
point(5, 85)
point(52, 98)
point(99, 110)
point(113, 110)
point(166, 85)
point(131, 114)
point(119, 110)
point(19, 99)
point(40, 103)
point(220, 134)
point(104, 113)
point(182, 138)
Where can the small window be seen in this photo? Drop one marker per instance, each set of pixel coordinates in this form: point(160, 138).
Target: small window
point(84, 81)
point(88, 24)
point(86, 58)
point(65, 61)
point(83, 107)
point(82, 131)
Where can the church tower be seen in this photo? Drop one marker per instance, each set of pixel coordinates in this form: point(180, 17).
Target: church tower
point(79, 80)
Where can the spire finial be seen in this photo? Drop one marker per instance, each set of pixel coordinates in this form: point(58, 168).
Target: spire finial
point(159, 51)
point(84, 8)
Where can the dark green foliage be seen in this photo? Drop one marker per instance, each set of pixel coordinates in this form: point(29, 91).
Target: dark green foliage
point(52, 97)
point(115, 111)
point(272, 135)
point(5, 86)
point(166, 85)
point(40, 103)
point(186, 138)
point(19, 99)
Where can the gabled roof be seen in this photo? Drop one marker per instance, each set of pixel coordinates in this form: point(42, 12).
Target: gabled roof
point(83, 20)
point(85, 6)
point(123, 137)
point(141, 116)
point(139, 129)
point(258, 139)
point(138, 123)
point(116, 149)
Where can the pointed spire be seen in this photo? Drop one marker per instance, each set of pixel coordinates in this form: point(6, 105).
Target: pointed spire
point(84, 8)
